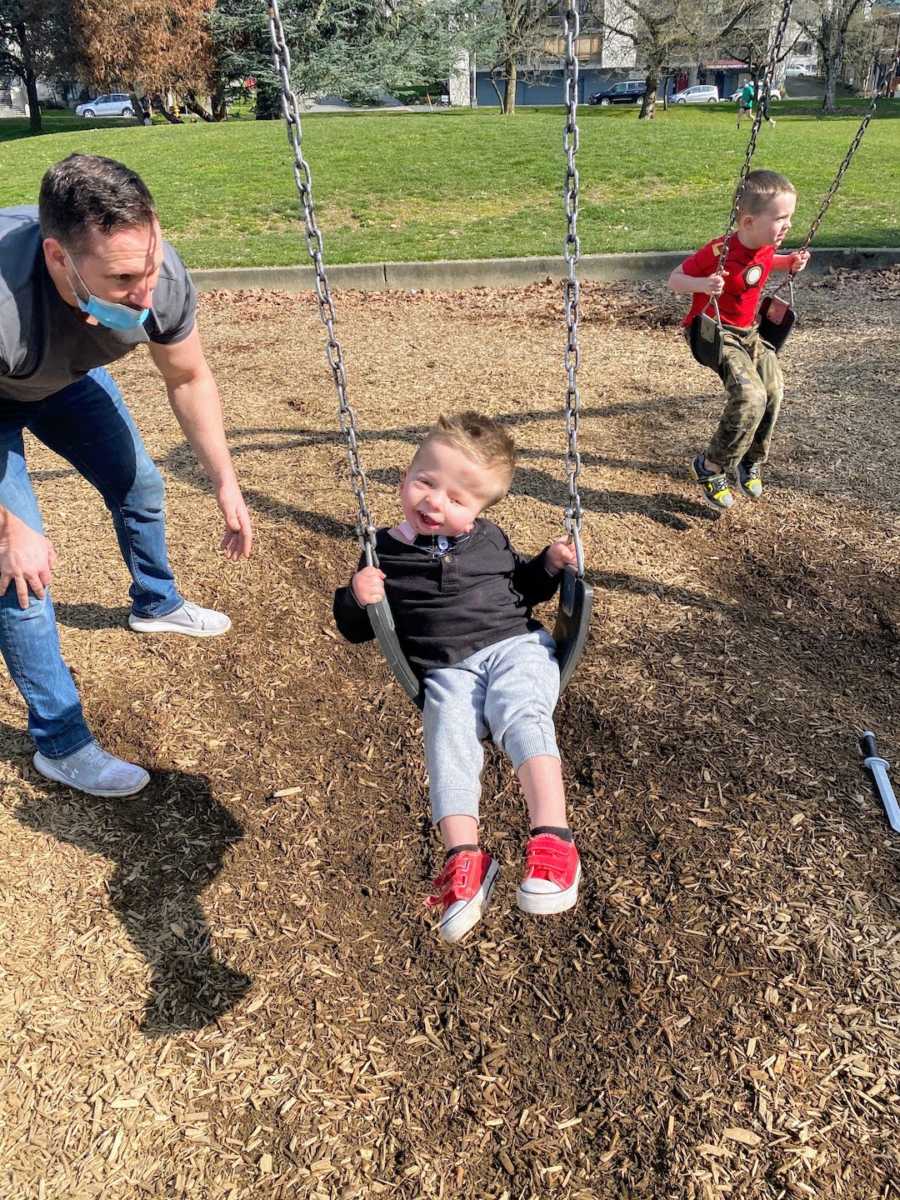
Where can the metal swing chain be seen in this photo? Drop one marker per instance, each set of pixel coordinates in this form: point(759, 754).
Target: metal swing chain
point(571, 286)
point(768, 76)
point(281, 59)
point(848, 157)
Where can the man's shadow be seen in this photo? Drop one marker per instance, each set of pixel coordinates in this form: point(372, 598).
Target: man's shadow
point(168, 844)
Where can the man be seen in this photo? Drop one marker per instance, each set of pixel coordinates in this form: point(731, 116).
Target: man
point(84, 279)
point(746, 100)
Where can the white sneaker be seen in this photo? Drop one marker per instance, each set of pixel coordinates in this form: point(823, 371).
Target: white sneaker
point(92, 770)
point(190, 619)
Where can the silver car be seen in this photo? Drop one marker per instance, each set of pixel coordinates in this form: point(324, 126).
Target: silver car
point(113, 104)
point(701, 93)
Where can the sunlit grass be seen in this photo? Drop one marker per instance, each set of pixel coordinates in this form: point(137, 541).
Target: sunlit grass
point(460, 184)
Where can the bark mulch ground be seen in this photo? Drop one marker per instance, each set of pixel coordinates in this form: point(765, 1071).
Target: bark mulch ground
point(229, 988)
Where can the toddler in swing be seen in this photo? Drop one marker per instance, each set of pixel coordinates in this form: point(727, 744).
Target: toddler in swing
point(461, 599)
point(750, 369)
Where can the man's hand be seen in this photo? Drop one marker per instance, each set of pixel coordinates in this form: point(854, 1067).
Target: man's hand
point(561, 553)
point(26, 558)
point(799, 259)
point(368, 586)
point(237, 541)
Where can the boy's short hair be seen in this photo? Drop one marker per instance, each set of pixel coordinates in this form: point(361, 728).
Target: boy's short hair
point(481, 439)
point(87, 192)
point(760, 189)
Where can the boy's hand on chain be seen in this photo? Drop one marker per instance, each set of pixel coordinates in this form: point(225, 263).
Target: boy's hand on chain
point(368, 585)
point(560, 554)
point(799, 259)
point(715, 284)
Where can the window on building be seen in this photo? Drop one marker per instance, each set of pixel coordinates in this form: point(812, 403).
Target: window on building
point(588, 46)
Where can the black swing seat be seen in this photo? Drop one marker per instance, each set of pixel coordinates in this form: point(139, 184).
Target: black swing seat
point(383, 626)
point(573, 620)
point(776, 320)
point(705, 341)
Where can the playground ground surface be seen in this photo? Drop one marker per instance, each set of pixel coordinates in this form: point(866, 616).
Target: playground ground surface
point(221, 992)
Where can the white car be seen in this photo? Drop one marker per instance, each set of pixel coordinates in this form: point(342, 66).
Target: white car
point(774, 94)
point(701, 93)
point(114, 104)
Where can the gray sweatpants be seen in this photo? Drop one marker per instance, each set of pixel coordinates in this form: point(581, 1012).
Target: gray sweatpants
point(508, 690)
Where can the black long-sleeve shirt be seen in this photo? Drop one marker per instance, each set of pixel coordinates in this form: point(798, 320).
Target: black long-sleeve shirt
point(447, 606)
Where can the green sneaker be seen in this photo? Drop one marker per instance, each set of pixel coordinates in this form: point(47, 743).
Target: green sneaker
point(750, 478)
point(716, 490)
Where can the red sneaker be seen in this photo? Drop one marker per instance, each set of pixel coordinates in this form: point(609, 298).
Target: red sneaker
point(462, 891)
point(552, 873)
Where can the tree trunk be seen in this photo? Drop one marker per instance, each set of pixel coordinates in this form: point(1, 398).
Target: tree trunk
point(28, 78)
point(648, 104)
point(268, 101)
point(831, 53)
point(192, 104)
point(499, 94)
point(509, 96)
point(219, 107)
point(167, 112)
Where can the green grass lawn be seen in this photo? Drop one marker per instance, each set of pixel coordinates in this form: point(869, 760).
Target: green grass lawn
point(463, 184)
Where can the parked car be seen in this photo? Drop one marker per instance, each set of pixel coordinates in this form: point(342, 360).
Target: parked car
point(629, 92)
point(700, 93)
point(774, 94)
point(113, 104)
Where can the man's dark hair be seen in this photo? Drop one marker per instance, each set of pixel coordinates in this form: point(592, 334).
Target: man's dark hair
point(86, 192)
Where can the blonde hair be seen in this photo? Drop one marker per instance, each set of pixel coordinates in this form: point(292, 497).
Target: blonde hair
point(481, 439)
point(760, 189)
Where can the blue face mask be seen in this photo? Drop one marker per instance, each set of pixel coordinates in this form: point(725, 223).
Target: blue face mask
point(118, 317)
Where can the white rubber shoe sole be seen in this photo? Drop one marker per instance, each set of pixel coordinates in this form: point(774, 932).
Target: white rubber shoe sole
point(542, 904)
point(44, 766)
point(458, 924)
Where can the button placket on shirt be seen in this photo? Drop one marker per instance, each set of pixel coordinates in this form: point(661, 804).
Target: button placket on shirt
point(449, 573)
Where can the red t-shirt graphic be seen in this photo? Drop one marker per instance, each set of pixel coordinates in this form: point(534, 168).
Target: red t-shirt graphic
point(746, 272)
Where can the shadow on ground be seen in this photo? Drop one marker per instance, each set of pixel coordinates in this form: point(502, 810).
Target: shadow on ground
point(168, 845)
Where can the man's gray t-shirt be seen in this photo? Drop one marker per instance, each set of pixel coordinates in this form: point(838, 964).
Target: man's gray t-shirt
point(45, 344)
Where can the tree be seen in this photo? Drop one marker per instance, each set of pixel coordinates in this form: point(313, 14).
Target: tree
point(34, 43)
point(664, 30)
point(514, 40)
point(750, 41)
point(241, 47)
point(149, 45)
point(407, 45)
point(352, 47)
point(827, 23)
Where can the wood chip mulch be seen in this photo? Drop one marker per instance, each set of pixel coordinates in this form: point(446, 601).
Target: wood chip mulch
point(228, 988)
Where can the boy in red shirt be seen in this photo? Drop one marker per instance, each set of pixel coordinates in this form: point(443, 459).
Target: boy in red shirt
point(750, 368)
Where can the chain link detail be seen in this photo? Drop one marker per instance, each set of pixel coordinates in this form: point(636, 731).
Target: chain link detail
point(848, 157)
point(571, 286)
point(281, 59)
point(762, 101)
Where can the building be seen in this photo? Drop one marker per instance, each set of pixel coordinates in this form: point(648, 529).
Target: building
point(13, 101)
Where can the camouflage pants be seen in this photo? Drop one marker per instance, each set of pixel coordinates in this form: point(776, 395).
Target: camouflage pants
point(755, 388)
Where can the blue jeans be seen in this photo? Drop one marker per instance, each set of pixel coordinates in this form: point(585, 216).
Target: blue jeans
point(87, 424)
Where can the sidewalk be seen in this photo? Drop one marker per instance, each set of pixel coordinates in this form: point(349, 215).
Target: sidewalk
point(452, 276)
